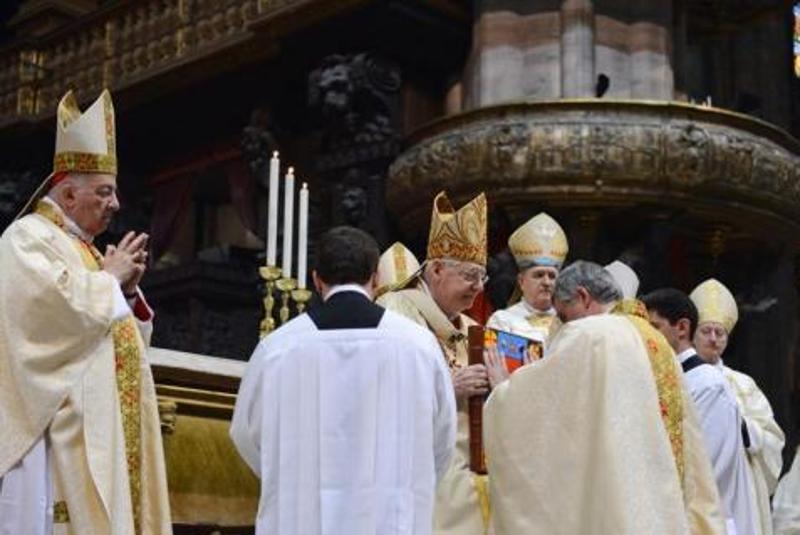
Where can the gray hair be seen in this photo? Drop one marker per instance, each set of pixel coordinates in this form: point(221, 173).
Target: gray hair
point(596, 280)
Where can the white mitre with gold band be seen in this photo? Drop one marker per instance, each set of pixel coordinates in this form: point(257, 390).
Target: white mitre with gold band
point(715, 303)
point(458, 235)
point(539, 242)
point(395, 266)
point(85, 142)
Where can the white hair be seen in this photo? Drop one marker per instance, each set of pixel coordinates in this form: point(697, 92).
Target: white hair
point(593, 277)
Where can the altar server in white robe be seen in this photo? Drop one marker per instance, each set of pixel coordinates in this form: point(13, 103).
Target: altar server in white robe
point(539, 248)
point(347, 412)
point(762, 435)
point(675, 315)
point(786, 502)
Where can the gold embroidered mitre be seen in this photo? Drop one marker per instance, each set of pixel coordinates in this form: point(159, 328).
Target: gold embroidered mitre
point(715, 303)
point(539, 242)
point(395, 266)
point(85, 142)
point(458, 235)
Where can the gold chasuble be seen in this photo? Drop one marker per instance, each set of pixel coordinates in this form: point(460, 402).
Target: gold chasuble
point(577, 442)
point(462, 499)
point(701, 497)
point(72, 374)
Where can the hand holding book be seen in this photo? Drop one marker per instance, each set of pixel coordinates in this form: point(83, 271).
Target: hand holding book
point(495, 365)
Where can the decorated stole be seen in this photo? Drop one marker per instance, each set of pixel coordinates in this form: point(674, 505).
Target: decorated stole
point(127, 357)
point(665, 373)
point(450, 338)
point(446, 333)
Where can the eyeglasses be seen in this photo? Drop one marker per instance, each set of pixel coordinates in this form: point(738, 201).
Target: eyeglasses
point(472, 275)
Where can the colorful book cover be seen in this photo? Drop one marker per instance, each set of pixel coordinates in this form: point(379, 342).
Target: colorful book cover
point(513, 347)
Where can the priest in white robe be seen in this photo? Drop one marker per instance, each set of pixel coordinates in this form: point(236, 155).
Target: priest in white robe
point(675, 315)
point(786, 502)
point(80, 446)
point(621, 452)
point(539, 248)
point(347, 412)
point(763, 437)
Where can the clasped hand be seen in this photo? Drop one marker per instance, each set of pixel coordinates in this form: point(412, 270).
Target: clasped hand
point(127, 261)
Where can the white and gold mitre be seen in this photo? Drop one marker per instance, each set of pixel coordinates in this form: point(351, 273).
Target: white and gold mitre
point(458, 235)
point(539, 242)
point(395, 266)
point(715, 302)
point(625, 277)
point(85, 142)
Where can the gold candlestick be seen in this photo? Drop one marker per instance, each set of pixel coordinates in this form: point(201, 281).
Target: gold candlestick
point(270, 274)
point(285, 285)
point(301, 296)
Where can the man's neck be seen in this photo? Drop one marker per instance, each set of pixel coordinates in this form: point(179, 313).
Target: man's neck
point(685, 353)
point(536, 310)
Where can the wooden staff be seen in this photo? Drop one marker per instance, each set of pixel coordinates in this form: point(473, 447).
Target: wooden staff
point(477, 460)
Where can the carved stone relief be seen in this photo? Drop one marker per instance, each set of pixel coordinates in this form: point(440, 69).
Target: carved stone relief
point(621, 152)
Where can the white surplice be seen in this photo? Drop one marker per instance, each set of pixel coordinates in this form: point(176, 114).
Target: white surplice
point(520, 318)
point(348, 429)
point(786, 503)
point(766, 441)
point(721, 421)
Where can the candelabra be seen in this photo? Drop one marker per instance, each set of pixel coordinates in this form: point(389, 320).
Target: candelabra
point(287, 288)
point(285, 285)
point(301, 296)
point(270, 274)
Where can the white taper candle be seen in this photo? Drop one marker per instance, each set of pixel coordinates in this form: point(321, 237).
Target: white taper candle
point(272, 210)
point(288, 220)
point(302, 238)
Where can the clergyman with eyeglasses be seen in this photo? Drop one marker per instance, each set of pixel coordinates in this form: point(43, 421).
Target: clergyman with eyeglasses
point(451, 277)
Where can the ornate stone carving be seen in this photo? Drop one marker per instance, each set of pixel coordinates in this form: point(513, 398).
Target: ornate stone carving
point(258, 142)
point(357, 100)
point(120, 46)
point(355, 95)
point(602, 152)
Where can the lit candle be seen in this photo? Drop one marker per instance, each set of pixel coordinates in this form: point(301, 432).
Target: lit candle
point(288, 218)
point(302, 237)
point(272, 212)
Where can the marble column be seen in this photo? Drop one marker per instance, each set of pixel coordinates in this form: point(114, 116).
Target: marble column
point(577, 49)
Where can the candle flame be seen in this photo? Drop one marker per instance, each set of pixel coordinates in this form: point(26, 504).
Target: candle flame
point(275, 154)
point(291, 170)
point(305, 185)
